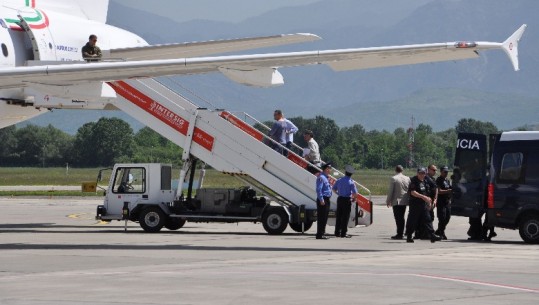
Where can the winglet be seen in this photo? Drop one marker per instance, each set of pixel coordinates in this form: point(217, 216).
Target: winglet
point(510, 46)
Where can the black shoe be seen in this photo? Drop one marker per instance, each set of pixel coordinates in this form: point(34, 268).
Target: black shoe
point(409, 239)
point(337, 234)
point(434, 238)
point(322, 237)
point(396, 237)
point(444, 237)
point(346, 236)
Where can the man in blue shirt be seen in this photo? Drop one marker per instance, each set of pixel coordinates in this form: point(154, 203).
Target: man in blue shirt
point(346, 189)
point(278, 132)
point(323, 193)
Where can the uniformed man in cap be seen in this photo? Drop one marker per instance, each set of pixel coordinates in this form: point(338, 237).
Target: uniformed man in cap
point(323, 193)
point(443, 208)
point(346, 189)
point(420, 204)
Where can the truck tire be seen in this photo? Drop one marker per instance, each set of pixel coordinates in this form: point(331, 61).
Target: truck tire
point(275, 221)
point(297, 226)
point(174, 223)
point(152, 219)
point(529, 229)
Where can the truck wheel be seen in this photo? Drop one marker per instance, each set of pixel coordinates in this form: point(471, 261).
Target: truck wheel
point(529, 229)
point(275, 221)
point(297, 226)
point(174, 223)
point(152, 219)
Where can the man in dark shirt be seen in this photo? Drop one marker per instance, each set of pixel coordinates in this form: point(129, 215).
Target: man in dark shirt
point(91, 52)
point(420, 204)
point(443, 208)
point(433, 194)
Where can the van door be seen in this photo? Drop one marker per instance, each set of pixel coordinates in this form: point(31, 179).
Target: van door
point(469, 175)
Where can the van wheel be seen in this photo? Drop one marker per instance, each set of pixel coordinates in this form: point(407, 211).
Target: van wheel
point(174, 223)
point(529, 229)
point(297, 226)
point(275, 221)
point(152, 219)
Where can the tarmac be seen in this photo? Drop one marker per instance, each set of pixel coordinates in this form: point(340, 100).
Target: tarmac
point(53, 251)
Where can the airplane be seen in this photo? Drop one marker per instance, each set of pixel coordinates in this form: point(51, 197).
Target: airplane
point(41, 65)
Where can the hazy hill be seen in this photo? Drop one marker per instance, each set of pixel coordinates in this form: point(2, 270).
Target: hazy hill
point(485, 89)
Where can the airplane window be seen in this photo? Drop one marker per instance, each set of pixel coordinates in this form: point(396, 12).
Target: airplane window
point(4, 50)
point(50, 45)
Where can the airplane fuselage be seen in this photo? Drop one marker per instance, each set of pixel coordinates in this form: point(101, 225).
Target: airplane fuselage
point(31, 36)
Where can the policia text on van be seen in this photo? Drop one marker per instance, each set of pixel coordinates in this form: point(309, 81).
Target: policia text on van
point(506, 187)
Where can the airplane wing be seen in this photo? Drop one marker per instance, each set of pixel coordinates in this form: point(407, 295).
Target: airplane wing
point(258, 69)
point(196, 49)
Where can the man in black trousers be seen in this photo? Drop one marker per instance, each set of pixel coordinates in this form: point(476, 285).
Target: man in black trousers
point(420, 205)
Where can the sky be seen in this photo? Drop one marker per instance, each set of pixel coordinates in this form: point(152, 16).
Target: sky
point(218, 10)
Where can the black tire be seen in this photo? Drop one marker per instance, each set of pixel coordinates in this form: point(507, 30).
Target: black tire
point(152, 219)
point(275, 221)
point(174, 223)
point(297, 226)
point(529, 229)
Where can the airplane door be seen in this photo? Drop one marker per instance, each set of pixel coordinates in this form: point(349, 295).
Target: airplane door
point(35, 23)
point(469, 175)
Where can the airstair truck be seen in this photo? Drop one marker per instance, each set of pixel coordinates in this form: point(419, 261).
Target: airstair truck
point(226, 143)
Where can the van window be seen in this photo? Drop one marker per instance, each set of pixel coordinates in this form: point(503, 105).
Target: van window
point(511, 168)
point(532, 168)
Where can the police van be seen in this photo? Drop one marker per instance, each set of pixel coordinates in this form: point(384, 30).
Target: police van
point(500, 179)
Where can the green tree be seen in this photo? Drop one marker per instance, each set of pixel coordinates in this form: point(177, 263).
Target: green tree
point(43, 146)
point(108, 141)
point(8, 149)
point(153, 147)
point(475, 126)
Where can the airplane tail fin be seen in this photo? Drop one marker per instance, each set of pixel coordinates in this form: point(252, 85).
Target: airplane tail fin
point(510, 46)
point(94, 10)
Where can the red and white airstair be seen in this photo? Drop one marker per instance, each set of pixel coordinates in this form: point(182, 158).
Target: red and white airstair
point(225, 142)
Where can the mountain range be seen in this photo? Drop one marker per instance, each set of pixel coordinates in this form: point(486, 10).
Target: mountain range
point(438, 94)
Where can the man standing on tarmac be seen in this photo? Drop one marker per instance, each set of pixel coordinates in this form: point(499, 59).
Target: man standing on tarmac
point(346, 189)
point(420, 204)
point(433, 194)
point(397, 197)
point(443, 208)
point(323, 193)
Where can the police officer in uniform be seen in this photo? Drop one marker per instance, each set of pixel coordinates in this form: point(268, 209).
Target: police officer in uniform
point(323, 193)
point(346, 189)
point(420, 204)
point(443, 207)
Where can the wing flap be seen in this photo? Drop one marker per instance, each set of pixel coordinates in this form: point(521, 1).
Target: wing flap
point(388, 59)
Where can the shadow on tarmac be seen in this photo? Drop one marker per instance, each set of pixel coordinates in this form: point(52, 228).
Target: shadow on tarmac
point(21, 246)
